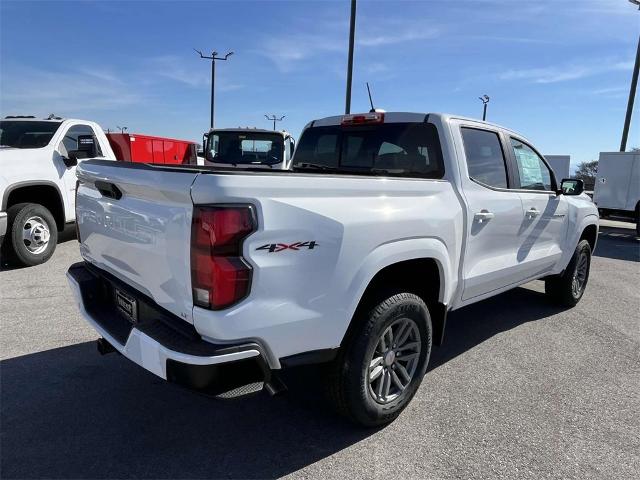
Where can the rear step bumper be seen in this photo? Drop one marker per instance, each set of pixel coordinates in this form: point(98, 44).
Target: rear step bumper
point(160, 342)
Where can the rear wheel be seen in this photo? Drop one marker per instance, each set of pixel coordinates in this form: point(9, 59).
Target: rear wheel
point(383, 363)
point(567, 289)
point(32, 233)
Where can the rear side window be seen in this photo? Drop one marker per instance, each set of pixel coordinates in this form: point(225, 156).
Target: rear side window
point(485, 158)
point(395, 149)
point(71, 141)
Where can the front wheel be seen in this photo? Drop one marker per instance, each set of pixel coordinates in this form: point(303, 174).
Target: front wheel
point(383, 363)
point(567, 289)
point(32, 234)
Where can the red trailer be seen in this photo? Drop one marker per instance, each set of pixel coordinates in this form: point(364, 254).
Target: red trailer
point(132, 147)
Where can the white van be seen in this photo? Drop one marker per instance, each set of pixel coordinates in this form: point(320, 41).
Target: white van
point(617, 190)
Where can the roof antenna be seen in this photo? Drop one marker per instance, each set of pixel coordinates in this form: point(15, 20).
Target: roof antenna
point(373, 109)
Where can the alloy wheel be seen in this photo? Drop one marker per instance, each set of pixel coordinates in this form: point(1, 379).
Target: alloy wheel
point(394, 360)
point(580, 275)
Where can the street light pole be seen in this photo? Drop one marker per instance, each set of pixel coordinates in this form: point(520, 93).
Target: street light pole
point(213, 59)
point(274, 119)
point(632, 97)
point(632, 93)
point(485, 101)
point(352, 35)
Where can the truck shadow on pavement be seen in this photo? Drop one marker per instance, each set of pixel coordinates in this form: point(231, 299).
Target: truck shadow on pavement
point(618, 243)
point(69, 413)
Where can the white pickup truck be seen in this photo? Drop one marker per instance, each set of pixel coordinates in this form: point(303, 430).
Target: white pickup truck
point(38, 160)
point(213, 278)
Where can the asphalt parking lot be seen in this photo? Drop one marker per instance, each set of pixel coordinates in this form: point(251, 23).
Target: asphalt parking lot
point(521, 389)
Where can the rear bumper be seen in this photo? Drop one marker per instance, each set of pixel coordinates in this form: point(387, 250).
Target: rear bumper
point(160, 342)
point(3, 224)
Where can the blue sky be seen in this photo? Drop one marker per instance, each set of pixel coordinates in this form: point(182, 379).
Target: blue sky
point(556, 70)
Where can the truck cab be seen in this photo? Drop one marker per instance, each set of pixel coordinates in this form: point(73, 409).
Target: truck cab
point(249, 147)
point(38, 159)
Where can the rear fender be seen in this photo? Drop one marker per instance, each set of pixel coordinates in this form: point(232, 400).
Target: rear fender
point(399, 251)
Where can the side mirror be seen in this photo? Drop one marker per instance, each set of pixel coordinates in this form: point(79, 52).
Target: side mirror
point(571, 186)
point(73, 156)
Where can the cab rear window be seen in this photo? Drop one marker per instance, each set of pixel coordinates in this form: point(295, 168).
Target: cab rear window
point(395, 149)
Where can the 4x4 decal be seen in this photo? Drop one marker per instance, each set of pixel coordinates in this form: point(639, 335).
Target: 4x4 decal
point(279, 247)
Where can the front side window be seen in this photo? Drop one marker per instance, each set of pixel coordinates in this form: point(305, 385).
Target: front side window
point(80, 137)
point(485, 158)
point(26, 134)
point(533, 173)
point(400, 149)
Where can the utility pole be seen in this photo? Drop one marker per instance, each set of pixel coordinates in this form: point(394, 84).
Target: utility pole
point(632, 93)
point(352, 35)
point(213, 58)
point(274, 119)
point(485, 101)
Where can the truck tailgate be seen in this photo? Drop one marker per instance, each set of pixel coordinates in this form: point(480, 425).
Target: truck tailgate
point(135, 223)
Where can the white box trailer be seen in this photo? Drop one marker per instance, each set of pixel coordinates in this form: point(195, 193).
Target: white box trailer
point(617, 190)
point(560, 165)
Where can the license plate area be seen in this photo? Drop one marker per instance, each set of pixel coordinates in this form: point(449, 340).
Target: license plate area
point(126, 305)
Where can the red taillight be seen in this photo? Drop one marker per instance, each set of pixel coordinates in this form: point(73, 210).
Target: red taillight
point(363, 118)
point(219, 275)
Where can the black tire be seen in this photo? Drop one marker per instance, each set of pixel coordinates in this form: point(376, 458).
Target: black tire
point(560, 288)
point(349, 386)
point(638, 220)
point(17, 217)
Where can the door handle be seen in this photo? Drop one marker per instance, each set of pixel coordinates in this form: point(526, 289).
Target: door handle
point(532, 213)
point(108, 189)
point(483, 216)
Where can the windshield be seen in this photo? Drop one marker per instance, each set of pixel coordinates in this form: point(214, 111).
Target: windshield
point(402, 149)
point(26, 134)
point(245, 148)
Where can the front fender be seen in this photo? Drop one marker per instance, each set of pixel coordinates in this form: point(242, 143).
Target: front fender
point(575, 231)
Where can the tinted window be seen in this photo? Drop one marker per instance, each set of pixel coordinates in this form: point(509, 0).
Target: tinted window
point(26, 134)
point(533, 174)
point(246, 148)
point(485, 159)
point(71, 141)
point(404, 149)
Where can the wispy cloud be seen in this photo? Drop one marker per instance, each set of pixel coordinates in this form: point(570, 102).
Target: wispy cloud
point(174, 68)
point(507, 39)
point(289, 50)
point(563, 73)
point(610, 90)
point(66, 92)
point(407, 35)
